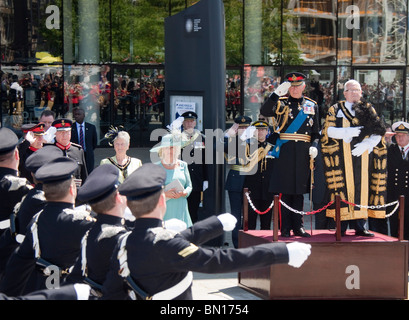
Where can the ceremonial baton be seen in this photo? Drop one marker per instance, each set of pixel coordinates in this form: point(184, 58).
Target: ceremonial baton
point(311, 185)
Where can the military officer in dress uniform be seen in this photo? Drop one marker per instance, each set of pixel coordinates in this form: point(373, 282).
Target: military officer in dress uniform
point(236, 152)
point(259, 182)
point(193, 153)
point(100, 191)
point(68, 148)
point(32, 142)
point(297, 133)
point(54, 238)
point(33, 202)
point(156, 263)
point(398, 175)
point(12, 187)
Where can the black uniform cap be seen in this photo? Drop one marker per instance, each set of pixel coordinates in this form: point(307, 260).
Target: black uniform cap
point(143, 182)
point(189, 115)
point(56, 170)
point(243, 120)
point(295, 78)
point(260, 124)
point(62, 124)
point(41, 157)
point(101, 183)
point(8, 140)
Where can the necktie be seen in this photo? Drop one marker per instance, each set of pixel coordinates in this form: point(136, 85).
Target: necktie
point(403, 153)
point(82, 137)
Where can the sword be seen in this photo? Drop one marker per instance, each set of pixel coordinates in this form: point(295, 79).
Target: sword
point(311, 185)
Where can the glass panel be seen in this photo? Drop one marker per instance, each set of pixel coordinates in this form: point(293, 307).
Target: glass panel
point(141, 39)
point(380, 37)
point(384, 89)
point(139, 102)
point(344, 32)
point(391, 86)
point(87, 32)
point(233, 95)
point(30, 32)
point(88, 87)
point(259, 82)
point(26, 92)
point(233, 11)
point(309, 32)
point(344, 74)
point(262, 32)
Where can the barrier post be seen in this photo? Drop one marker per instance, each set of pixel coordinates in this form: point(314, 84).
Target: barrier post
point(401, 217)
point(338, 217)
point(245, 210)
point(275, 217)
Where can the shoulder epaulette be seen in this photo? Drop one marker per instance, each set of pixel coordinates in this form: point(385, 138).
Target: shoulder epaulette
point(76, 145)
point(310, 99)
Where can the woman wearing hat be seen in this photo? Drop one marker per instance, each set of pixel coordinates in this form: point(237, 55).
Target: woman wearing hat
point(178, 185)
point(121, 140)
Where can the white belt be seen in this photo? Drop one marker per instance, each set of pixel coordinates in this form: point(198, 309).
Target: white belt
point(168, 294)
point(4, 224)
point(176, 290)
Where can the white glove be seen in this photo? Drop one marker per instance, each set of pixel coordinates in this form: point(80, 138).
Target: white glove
point(227, 220)
point(297, 253)
point(366, 144)
point(344, 133)
point(50, 134)
point(248, 133)
point(175, 225)
point(30, 137)
point(282, 89)
point(205, 185)
point(176, 124)
point(82, 290)
point(313, 152)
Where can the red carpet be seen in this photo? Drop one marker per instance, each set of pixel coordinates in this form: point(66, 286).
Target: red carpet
point(322, 236)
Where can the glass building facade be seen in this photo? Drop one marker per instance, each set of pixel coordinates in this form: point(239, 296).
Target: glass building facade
point(107, 56)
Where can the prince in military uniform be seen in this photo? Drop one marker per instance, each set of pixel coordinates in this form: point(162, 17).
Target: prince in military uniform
point(258, 182)
point(55, 232)
point(69, 149)
point(296, 136)
point(156, 263)
point(236, 153)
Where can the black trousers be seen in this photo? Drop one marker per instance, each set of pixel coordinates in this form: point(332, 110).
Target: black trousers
point(265, 219)
point(289, 219)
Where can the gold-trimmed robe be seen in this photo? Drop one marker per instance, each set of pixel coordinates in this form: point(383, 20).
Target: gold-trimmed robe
point(358, 180)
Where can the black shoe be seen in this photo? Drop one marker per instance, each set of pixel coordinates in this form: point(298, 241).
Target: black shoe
point(364, 233)
point(285, 233)
point(302, 233)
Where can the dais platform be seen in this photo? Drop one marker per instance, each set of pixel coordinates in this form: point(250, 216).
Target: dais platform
point(354, 268)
